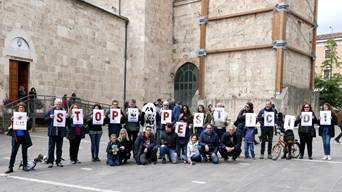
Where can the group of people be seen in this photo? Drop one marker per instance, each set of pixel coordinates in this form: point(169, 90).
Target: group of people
point(148, 135)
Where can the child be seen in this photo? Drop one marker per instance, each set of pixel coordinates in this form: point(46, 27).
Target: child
point(112, 151)
point(192, 152)
point(249, 135)
point(289, 140)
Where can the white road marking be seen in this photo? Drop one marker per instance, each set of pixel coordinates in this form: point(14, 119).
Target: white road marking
point(56, 183)
point(199, 182)
point(7, 158)
point(87, 169)
point(245, 164)
point(319, 161)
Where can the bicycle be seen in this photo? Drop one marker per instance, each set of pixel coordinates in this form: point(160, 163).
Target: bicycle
point(281, 145)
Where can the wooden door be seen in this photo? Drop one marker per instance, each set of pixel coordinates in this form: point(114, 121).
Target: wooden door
point(13, 80)
point(19, 76)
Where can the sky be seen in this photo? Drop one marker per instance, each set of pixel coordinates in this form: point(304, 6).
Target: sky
point(329, 16)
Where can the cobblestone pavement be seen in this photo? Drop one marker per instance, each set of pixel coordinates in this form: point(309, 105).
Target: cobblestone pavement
point(243, 175)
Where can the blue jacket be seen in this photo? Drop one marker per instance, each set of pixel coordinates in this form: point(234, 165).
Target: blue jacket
point(260, 117)
point(54, 131)
point(211, 140)
point(249, 134)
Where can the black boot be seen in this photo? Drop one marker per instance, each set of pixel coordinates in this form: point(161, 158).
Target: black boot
point(10, 170)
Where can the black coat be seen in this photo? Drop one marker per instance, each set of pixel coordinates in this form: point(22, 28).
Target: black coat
point(170, 140)
point(230, 141)
point(28, 141)
point(71, 134)
point(139, 146)
point(128, 146)
point(307, 129)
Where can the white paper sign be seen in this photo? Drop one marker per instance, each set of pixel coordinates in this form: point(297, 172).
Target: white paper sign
point(133, 115)
point(269, 119)
point(306, 119)
point(77, 116)
point(250, 120)
point(59, 118)
point(98, 116)
point(219, 115)
point(166, 116)
point(115, 116)
point(289, 122)
point(325, 117)
point(20, 121)
point(198, 119)
point(180, 129)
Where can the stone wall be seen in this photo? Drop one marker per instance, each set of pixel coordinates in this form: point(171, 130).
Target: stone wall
point(77, 48)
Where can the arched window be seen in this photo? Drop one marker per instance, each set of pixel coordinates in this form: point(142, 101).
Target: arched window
point(186, 83)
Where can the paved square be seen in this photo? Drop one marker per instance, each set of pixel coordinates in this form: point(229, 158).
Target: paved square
point(244, 175)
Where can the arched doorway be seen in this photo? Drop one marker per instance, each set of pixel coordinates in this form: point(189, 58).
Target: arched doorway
point(186, 83)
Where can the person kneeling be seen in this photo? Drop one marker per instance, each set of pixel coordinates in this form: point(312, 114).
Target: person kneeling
point(230, 144)
point(208, 144)
point(112, 151)
point(169, 143)
point(192, 152)
point(145, 148)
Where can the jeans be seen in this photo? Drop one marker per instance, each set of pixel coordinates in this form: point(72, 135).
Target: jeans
point(305, 138)
point(133, 136)
point(326, 140)
point(249, 146)
point(195, 157)
point(171, 153)
point(266, 136)
point(198, 131)
point(213, 156)
point(150, 156)
point(113, 160)
point(74, 148)
point(58, 142)
point(15, 147)
point(95, 144)
point(181, 149)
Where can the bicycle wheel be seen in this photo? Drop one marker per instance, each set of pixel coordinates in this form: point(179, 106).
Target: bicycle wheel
point(295, 150)
point(276, 151)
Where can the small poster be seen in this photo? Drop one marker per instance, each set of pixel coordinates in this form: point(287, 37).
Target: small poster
point(219, 115)
point(325, 117)
point(198, 119)
point(98, 116)
point(306, 119)
point(115, 116)
point(166, 116)
point(269, 119)
point(20, 121)
point(250, 120)
point(59, 118)
point(133, 115)
point(180, 129)
point(289, 122)
point(77, 116)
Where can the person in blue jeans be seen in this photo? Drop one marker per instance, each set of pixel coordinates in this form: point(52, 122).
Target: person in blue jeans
point(192, 152)
point(209, 144)
point(327, 132)
point(249, 137)
point(113, 148)
point(168, 144)
point(95, 133)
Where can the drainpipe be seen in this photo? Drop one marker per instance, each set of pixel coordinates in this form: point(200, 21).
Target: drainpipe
point(125, 63)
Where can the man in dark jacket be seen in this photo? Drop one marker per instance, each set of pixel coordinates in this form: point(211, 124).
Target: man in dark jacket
point(133, 127)
point(230, 144)
point(208, 144)
point(114, 127)
point(145, 148)
point(56, 135)
point(266, 131)
point(169, 143)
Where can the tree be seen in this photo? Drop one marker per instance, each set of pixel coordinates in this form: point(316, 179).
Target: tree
point(330, 88)
point(331, 59)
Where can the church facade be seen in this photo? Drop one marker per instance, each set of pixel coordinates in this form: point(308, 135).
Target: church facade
point(195, 51)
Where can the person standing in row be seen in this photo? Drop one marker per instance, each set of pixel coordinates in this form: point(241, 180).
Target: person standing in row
point(56, 135)
point(219, 123)
point(266, 131)
point(114, 128)
point(133, 124)
point(20, 137)
point(306, 132)
point(95, 134)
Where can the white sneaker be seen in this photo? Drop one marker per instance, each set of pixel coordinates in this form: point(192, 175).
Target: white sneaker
point(325, 157)
point(329, 158)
